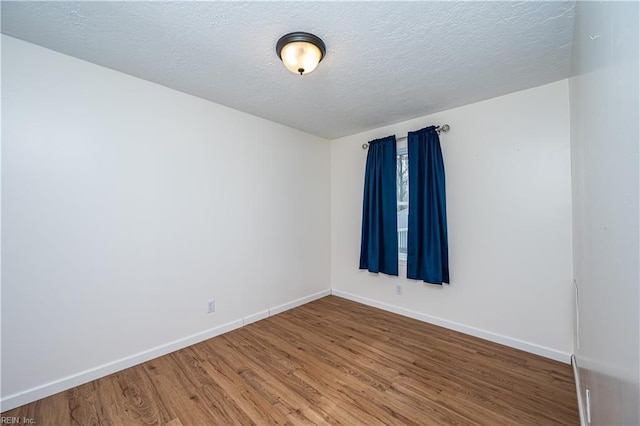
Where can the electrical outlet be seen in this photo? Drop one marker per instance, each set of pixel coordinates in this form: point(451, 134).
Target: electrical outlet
point(211, 306)
point(588, 398)
point(399, 289)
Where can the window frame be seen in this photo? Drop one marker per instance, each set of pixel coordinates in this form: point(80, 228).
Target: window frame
point(401, 149)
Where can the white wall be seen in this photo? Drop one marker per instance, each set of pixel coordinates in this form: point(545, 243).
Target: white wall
point(126, 205)
point(604, 142)
point(507, 164)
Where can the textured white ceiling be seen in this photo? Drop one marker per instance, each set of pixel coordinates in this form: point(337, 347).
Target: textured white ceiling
point(386, 61)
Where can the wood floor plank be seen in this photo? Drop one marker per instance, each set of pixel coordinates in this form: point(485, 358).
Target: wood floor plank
point(331, 361)
point(114, 405)
point(82, 405)
point(56, 409)
point(183, 399)
point(331, 376)
point(249, 401)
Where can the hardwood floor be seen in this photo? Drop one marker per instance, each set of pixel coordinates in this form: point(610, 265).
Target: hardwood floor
point(331, 361)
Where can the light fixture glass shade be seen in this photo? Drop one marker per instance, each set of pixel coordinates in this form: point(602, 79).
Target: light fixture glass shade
point(301, 57)
point(300, 52)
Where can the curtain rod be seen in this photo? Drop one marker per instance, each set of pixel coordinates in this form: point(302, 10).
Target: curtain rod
point(440, 129)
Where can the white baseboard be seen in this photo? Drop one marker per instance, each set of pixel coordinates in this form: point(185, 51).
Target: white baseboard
point(12, 401)
point(284, 307)
point(30, 395)
point(298, 302)
point(576, 376)
point(255, 317)
point(462, 328)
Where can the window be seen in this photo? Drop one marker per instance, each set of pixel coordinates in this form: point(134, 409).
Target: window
point(402, 188)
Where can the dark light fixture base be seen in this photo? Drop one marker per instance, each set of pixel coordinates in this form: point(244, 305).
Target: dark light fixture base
point(300, 36)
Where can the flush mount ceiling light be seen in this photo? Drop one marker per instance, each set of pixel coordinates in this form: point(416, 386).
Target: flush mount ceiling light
point(300, 52)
